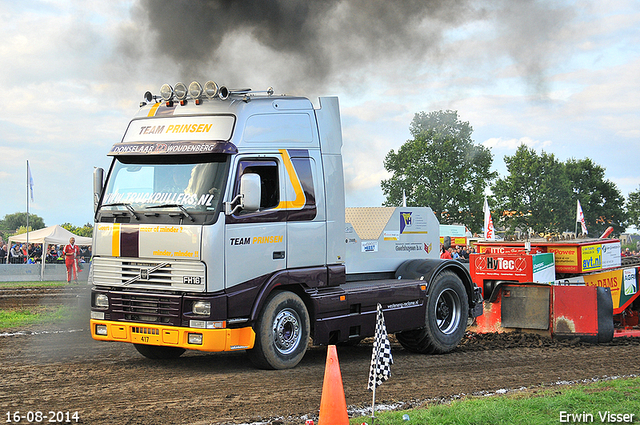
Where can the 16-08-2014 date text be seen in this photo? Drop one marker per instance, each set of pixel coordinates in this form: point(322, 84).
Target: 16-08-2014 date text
point(50, 416)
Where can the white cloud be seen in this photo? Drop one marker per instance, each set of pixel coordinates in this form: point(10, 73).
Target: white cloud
point(512, 144)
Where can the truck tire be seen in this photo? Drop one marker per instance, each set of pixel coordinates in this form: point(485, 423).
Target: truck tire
point(157, 352)
point(446, 318)
point(282, 332)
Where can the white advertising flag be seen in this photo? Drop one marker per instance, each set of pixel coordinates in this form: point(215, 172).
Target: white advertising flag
point(489, 230)
point(580, 218)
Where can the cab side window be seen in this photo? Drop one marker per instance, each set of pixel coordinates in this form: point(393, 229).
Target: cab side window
point(269, 180)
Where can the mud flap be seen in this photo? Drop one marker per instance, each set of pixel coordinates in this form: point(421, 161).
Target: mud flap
point(477, 308)
point(605, 315)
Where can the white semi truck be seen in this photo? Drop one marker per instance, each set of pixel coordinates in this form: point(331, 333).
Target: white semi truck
point(221, 226)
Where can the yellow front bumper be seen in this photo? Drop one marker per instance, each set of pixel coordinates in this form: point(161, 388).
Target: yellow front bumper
point(172, 336)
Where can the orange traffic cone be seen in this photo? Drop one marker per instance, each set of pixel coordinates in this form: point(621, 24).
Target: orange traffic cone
point(333, 405)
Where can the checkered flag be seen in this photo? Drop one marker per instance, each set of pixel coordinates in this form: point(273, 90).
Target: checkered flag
point(381, 359)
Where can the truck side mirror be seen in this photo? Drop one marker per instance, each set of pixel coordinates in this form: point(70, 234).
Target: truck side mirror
point(250, 189)
point(98, 182)
point(249, 197)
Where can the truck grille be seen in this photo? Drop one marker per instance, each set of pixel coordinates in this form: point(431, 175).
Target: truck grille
point(140, 307)
point(149, 274)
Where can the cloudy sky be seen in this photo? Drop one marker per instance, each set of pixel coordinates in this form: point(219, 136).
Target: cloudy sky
point(559, 76)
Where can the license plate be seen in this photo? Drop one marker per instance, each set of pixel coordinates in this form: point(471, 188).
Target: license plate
point(145, 335)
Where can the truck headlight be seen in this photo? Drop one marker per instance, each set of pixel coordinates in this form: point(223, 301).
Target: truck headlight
point(101, 301)
point(201, 308)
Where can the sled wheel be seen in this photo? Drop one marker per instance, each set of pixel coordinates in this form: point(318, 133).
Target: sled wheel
point(282, 332)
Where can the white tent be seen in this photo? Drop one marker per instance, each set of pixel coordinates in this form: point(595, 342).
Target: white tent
point(49, 235)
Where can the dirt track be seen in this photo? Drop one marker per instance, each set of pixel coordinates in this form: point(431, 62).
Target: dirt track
point(110, 383)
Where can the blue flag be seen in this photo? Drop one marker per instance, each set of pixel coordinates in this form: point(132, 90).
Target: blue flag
point(30, 179)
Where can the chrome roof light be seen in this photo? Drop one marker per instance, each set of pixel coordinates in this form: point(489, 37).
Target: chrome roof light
point(195, 90)
point(211, 89)
point(166, 92)
point(181, 91)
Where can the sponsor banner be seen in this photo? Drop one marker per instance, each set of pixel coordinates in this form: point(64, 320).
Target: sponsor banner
point(172, 148)
point(566, 258)
point(393, 235)
point(629, 290)
point(591, 258)
point(412, 247)
point(575, 280)
point(611, 255)
point(453, 230)
point(544, 270)
point(186, 199)
point(369, 246)
point(491, 249)
point(516, 267)
point(211, 127)
point(455, 240)
point(148, 241)
point(612, 280)
point(630, 286)
point(413, 223)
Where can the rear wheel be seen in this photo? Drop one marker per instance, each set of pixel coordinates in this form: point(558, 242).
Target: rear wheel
point(446, 318)
point(159, 352)
point(282, 332)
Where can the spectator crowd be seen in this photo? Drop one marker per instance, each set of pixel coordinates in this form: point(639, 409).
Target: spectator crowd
point(459, 252)
point(19, 253)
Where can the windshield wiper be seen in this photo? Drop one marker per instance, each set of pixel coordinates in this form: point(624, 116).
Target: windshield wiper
point(182, 209)
point(123, 204)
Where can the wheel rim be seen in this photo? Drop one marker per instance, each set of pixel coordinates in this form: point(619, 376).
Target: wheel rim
point(448, 309)
point(287, 331)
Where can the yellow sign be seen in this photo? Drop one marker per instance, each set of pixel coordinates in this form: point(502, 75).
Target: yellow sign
point(565, 256)
point(611, 280)
point(455, 240)
point(591, 258)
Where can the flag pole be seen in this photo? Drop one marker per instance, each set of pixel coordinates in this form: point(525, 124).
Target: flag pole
point(27, 210)
point(577, 203)
point(373, 402)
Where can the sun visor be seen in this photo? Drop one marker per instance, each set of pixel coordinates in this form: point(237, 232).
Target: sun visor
point(181, 147)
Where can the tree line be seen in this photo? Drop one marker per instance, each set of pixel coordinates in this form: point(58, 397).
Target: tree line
point(16, 224)
point(442, 167)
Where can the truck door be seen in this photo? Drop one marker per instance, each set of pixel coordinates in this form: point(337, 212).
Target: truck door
point(256, 241)
point(306, 223)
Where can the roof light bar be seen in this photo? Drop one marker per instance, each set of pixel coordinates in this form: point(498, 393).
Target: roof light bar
point(197, 92)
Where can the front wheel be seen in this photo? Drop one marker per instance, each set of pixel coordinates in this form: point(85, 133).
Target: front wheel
point(446, 318)
point(282, 332)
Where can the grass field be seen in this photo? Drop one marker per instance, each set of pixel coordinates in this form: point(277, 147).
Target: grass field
point(34, 315)
point(38, 284)
point(611, 401)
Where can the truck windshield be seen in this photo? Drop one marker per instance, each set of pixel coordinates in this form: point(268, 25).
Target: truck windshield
point(189, 184)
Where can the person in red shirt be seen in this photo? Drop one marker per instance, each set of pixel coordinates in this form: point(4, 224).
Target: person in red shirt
point(71, 251)
point(444, 253)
